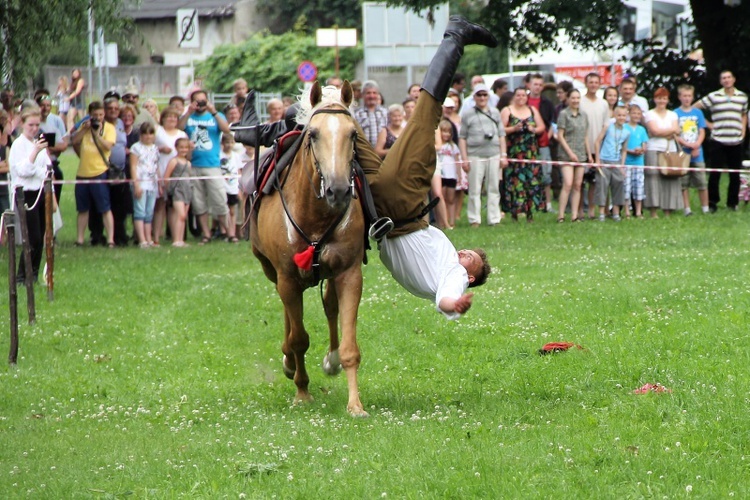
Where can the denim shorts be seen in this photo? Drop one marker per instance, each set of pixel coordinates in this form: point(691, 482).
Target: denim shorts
point(97, 193)
point(143, 208)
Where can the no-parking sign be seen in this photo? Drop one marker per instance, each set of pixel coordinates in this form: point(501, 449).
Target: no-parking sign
point(188, 36)
point(307, 71)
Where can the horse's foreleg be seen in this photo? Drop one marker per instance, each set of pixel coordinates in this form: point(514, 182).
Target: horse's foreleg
point(331, 362)
point(349, 293)
point(296, 339)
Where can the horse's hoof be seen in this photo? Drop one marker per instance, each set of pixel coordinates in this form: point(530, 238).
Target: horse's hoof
point(303, 398)
point(331, 363)
point(287, 371)
point(358, 412)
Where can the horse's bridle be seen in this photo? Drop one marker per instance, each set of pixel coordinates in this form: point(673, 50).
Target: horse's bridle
point(316, 162)
point(317, 246)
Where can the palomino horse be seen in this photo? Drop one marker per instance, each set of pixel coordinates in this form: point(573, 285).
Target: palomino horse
point(312, 214)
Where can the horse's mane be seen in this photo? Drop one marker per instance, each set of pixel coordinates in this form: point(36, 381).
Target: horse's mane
point(330, 95)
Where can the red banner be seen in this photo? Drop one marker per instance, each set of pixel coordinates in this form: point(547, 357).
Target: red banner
point(604, 71)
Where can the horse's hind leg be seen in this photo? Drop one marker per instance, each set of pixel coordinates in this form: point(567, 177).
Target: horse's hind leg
point(296, 339)
point(331, 362)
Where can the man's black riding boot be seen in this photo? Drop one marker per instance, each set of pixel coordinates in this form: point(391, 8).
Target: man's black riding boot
point(458, 34)
point(266, 133)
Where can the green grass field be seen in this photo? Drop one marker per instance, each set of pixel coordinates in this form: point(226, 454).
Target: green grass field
point(158, 374)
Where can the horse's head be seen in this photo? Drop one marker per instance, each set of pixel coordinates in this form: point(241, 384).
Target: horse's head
point(331, 134)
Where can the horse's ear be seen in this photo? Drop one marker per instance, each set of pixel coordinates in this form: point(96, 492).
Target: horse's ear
point(346, 93)
point(315, 94)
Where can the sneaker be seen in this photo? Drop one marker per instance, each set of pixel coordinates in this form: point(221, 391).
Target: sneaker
point(616, 218)
point(602, 218)
point(688, 214)
point(144, 245)
point(712, 209)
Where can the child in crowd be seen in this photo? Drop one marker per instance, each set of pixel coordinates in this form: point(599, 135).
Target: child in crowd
point(610, 149)
point(144, 162)
point(179, 191)
point(634, 161)
point(449, 158)
point(692, 133)
point(231, 167)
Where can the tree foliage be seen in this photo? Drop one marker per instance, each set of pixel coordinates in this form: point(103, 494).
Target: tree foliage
point(283, 16)
point(724, 35)
point(30, 30)
point(269, 62)
point(529, 26)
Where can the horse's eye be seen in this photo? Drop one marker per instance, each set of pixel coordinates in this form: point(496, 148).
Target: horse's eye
point(354, 135)
point(314, 134)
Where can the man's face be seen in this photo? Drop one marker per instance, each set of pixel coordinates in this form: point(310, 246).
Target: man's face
point(627, 91)
point(372, 97)
point(535, 86)
point(112, 111)
point(336, 82)
point(45, 105)
point(472, 262)
point(636, 114)
point(460, 86)
point(481, 99)
point(476, 80)
point(592, 84)
point(201, 100)
point(727, 79)
point(621, 116)
point(130, 99)
point(98, 114)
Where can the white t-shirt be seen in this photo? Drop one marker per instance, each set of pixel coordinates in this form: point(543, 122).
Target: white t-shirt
point(597, 113)
point(231, 165)
point(447, 159)
point(660, 143)
point(164, 139)
point(24, 173)
point(425, 262)
point(148, 163)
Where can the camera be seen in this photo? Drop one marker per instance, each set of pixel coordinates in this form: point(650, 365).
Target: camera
point(95, 124)
point(488, 137)
point(201, 104)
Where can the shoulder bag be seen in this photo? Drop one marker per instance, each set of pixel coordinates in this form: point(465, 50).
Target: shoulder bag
point(678, 160)
point(114, 173)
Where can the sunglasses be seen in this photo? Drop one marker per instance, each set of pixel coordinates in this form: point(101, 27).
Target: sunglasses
point(481, 94)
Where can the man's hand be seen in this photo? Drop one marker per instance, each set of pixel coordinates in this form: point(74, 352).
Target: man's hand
point(463, 303)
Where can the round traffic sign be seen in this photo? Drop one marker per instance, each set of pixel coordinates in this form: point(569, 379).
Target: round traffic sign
point(307, 71)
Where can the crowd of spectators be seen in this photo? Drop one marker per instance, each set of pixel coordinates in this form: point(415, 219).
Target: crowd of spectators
point(491, 142)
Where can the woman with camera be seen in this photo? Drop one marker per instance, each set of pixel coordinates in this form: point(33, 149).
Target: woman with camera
point(29, 166)
point(523, 188)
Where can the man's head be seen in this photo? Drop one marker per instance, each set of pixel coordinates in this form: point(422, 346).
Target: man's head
point(499, 87)
point(727, 79)
point(627, 89)
point(686, 95)
point(536, 84)
point(476, 265)
point(621, 115)
point(356, 90)
point(371, 94)
point(111, 109)
point(44, 101)
point(593, 82)
point(200, 98)
point(96, 111)
point(476, 80)
point(459, 82)
point(335, 81)
point(481, 96)
point(635, 113)
point(130, 95)
point(177, 102)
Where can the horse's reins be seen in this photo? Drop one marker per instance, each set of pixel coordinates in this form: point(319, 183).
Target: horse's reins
point(310, 258)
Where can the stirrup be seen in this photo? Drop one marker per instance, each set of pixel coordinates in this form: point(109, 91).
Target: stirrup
point(380, 228)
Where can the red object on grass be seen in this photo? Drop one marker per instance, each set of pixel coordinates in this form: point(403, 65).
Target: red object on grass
point(557, 347)
point(646, 388)
point(304, 258)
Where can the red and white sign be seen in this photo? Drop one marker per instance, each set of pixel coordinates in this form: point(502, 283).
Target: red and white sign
point(604, 71)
